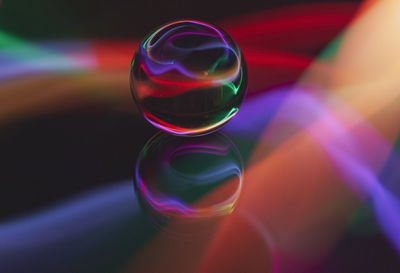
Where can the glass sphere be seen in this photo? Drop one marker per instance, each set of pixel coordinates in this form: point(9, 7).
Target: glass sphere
point(188, 77)
point(189, 177)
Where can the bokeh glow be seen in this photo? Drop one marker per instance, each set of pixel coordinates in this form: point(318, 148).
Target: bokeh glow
point(318, 149)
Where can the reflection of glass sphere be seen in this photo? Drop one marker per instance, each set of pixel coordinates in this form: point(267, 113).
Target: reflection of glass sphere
point(188, 77)
point(189, 177)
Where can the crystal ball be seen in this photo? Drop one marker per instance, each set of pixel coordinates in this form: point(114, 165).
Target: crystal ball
point(188, 77)
point(189, 177)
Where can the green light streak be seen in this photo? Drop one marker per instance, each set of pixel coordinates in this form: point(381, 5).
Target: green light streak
point(217, 62)
point(20, 50)
point(330, 51)
point(147, 40)
point(232, 111)
point(232, 86)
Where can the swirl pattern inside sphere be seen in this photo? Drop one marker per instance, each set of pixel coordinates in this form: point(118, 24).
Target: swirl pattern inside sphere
point(188, 77)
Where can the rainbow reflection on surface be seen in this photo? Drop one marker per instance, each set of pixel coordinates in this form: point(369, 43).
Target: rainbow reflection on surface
point(189, 177)
point(188, 77)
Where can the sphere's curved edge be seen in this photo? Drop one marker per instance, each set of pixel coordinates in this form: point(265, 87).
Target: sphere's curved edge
point(156, 68)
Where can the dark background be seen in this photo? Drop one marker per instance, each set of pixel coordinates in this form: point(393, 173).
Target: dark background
point(49, 19)
point(46, 159)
